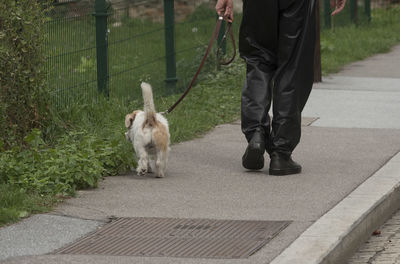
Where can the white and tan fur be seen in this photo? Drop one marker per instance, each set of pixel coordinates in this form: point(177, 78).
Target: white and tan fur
point(149, 133)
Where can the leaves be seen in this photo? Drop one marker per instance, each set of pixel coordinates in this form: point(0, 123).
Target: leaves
point(22, 214)
point(24, 97)
point(327, 46)
point(78, 160)
point(33, 139)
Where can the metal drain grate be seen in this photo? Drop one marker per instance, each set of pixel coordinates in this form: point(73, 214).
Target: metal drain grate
point(178, 238)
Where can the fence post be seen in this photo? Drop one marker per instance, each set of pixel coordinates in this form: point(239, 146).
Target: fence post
point(353, 11)
point(317, 52)
point(169, 24)
point(100, 12)
point(327, 13)
point(367, 4)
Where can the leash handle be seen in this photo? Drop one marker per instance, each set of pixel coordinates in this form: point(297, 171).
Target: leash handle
point(215, 34)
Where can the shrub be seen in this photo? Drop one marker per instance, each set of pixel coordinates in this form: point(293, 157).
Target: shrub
point(24, 101)
point(78, 160)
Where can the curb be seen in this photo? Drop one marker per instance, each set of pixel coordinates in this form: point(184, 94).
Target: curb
point(334, 237)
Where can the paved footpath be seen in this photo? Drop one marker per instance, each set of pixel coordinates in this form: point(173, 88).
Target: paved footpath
point(382, 247)
point(351, 165)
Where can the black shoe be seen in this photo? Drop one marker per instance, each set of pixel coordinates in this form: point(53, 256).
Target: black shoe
point(253, 158)
point(283, 165)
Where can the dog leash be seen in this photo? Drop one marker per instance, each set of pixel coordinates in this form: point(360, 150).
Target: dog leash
point(213, 37)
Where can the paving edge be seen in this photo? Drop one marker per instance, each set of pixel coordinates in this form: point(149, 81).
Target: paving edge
point(335, 236)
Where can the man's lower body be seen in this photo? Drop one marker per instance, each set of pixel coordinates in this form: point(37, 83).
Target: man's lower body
point(277, 41)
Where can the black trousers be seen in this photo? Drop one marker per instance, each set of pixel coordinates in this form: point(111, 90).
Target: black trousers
point(277, 41)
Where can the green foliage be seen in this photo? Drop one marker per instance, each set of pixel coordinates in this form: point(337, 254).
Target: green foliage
point(23, 98)
point(78, 160)
point(200, 13)
point(16, 203)
point(87, 64)
point(326, 46)
point(344, 45)
point(216, 100)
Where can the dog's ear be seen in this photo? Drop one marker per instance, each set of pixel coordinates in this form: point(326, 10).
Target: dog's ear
point(129, 119)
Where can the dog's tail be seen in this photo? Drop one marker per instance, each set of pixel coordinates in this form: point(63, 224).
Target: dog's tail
point(148, 101)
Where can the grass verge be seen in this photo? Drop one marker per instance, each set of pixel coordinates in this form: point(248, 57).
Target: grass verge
point(16, 203)
point(343, 45)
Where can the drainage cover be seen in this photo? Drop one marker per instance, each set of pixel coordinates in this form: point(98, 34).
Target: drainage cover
point(169, 237)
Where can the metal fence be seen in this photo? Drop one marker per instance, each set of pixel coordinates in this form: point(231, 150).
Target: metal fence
point(357, 12)
point(97, 46)
point(94, 45)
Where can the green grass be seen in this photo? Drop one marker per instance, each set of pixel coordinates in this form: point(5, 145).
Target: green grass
point(214, 100)
point(344, 18)
point(343, 45)
point(16, 203)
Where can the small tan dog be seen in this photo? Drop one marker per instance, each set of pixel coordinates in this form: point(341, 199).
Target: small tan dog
point(149, 133)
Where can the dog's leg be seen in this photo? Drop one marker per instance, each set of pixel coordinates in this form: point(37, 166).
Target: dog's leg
point(143, 162)
point(151, 165)
point(161, 164)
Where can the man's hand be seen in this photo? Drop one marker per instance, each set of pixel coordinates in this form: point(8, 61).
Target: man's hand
point(338, 5)
point(225, 8)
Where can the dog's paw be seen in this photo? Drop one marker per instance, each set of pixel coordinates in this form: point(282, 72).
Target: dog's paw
point(141, 171)
point(160, 175)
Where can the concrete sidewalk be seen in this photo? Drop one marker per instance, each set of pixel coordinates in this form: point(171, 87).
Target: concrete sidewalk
point(351, 132)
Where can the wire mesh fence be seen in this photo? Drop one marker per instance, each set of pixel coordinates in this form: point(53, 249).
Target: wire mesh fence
point(136, 47)
point(356, 12)
point(137, 44)
point(136, 40)
point(71, 53)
